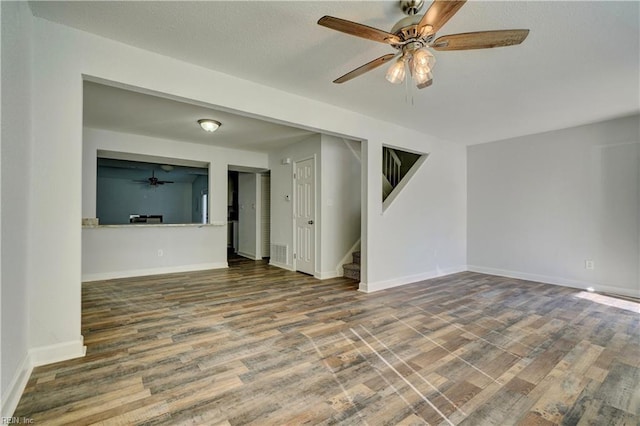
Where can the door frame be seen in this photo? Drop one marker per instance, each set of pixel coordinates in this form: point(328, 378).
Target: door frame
point(316, 222)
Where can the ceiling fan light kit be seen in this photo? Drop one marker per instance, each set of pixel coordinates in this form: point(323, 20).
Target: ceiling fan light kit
point(413, 37)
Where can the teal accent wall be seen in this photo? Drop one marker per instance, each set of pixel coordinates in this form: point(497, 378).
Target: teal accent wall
point(118, 198)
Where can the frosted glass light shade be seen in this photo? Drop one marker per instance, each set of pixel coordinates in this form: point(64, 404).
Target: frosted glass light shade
point(421, 78)
point(209, 125)
point(422, 61)
point(395, 74)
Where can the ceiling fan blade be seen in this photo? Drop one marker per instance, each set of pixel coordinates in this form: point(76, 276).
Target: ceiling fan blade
point(480, 40)
point(425, 84)
point(365, 68)
point(358, 30)
point(438, 14)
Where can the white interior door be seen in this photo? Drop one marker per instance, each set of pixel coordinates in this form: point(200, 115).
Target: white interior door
point(304, 216)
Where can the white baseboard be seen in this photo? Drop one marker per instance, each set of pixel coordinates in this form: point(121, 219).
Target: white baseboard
point(326, 275)
point(34, 358)
point(408, 279)
point(55, 353)
point(101, 276)
point(281, 265)
point(565, 282)
point(12, 396)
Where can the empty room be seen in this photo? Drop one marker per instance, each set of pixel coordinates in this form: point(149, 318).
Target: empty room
point(320, 212)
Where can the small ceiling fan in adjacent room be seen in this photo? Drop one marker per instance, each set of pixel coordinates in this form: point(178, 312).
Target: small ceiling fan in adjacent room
point(153, 180)
point(414, 36)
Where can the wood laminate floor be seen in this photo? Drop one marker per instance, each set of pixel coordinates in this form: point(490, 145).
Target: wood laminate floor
point(259, 345)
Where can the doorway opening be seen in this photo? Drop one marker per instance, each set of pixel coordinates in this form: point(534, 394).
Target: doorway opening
point(249, 214)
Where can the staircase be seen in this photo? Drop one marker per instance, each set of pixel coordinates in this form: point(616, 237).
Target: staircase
point(395, 166)
point(352, 270)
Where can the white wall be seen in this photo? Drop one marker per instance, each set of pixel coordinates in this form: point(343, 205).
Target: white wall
point(540, 205)
point(183, 248)
point(249, 215)
point(339, 202)
point(422, 234)
point(337, 199)
point(137, 250)
point(62, 56)
point(15, 168)
point(282, 187)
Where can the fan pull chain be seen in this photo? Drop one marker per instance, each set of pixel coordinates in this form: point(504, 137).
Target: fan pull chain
point(408, 92)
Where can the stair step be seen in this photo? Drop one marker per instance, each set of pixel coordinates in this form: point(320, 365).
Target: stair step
point(356, 257)
point(352, 270)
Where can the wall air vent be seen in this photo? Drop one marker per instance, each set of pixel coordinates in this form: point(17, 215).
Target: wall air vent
point(279, 253)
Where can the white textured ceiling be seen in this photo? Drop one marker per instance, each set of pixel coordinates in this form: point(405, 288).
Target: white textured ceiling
point(112, 108)
point(580, 63)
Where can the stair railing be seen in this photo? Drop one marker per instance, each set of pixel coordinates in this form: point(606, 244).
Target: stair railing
point(391, 166)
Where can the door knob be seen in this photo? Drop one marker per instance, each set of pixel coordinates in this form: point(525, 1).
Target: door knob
point(310, 222)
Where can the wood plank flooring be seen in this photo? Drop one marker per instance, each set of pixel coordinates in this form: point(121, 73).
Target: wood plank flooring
point(257, 345)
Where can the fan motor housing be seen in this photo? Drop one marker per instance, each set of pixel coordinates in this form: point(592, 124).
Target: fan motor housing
point(407, 30)
point(407, 27)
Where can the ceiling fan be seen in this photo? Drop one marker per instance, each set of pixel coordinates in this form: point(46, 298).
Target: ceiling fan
point(153, 180)
point(414, 36)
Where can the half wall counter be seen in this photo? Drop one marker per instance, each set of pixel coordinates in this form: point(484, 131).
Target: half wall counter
point(130, 250)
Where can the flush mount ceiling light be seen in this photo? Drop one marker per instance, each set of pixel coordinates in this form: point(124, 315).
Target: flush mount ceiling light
point(209, 125)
